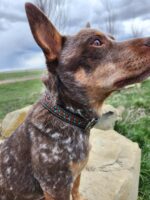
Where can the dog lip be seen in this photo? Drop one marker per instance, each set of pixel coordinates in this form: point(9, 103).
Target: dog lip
point(132, 79)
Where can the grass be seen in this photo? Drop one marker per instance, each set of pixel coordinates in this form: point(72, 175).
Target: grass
point(17, 95)
point(135, 124)
point(19, 74)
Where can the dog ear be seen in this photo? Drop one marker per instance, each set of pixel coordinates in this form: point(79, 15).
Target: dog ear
point(88, 25)
point(44, 32)
point(111, 36)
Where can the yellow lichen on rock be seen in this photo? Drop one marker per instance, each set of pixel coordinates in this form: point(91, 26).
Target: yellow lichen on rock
point(13, 121)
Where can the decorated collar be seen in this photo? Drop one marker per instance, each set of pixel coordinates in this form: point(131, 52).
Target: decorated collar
point(66, 115)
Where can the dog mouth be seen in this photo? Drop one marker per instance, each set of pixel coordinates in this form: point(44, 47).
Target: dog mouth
point(133, 79)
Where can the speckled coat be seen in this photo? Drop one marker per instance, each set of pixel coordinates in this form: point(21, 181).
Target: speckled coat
point(39, 155)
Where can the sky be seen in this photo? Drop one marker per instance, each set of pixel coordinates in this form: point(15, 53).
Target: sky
point(18, 49)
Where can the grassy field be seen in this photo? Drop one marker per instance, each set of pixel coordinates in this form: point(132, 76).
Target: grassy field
point(17, 95)
point(19, 74)
point(135, 124)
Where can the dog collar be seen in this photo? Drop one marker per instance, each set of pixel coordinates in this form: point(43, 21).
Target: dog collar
point(66, 115)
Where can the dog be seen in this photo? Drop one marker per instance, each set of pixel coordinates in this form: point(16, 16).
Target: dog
point(44, 157)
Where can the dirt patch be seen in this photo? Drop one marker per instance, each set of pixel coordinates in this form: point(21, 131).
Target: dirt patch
point(19, 80)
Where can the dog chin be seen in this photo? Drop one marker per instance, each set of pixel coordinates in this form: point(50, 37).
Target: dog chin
point(133, 79)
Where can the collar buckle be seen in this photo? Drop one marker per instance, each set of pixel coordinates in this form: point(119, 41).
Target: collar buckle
point(91, 123)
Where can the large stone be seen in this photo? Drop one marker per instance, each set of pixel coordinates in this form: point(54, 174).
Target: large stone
point(108, 117)
point(112, 172)
point(13, 120)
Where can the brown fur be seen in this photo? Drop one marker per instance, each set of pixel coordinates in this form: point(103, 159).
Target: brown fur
point(44, 157)
point(48, 197)
point(75, 190)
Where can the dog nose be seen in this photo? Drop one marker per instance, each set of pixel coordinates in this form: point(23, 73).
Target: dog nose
point(147, 43)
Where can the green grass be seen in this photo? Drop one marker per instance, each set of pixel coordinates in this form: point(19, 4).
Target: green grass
point(19, 74)
point(17, 95)
point(136, 126)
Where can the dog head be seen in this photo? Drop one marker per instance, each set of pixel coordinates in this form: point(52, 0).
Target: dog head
point(90, 65)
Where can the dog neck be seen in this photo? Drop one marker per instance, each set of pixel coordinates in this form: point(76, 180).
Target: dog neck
point(74, 101)
point(71, 98)
point(58, 97)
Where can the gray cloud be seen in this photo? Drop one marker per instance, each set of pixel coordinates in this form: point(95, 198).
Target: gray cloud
point(134, 9)
point(12, 12)
point(12, 17)
point(122, 11)
point(19, 48)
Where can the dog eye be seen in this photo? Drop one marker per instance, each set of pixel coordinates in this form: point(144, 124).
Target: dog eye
point(97, 42)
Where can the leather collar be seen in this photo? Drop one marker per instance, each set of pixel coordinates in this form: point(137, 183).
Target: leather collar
point(66, 115)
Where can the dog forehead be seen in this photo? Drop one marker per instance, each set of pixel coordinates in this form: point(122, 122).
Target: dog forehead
point(86, 32)
point(73, 44)
point(83, 36)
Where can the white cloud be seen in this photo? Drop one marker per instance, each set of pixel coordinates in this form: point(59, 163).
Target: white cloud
point(33, 60)
point(139, 24)
point(18, 48)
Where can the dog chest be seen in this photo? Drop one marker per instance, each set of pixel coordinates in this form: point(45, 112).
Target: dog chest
point(58, 154)
point(59, 147)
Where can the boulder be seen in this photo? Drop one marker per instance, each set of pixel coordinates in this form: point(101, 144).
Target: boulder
point(108, 117)
point(13, 120)
point(112, 172)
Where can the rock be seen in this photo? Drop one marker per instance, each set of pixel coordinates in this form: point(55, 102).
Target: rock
point(108, 116)
point(112, 172)
point(13, 120)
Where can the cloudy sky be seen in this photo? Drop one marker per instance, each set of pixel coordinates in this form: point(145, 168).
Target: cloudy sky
point(19, 51)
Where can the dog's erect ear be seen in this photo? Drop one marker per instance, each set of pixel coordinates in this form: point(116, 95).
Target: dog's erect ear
point(88, 25)
point(44, 32)
point(111, 36)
